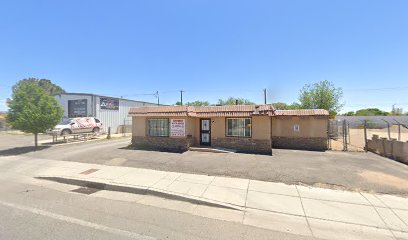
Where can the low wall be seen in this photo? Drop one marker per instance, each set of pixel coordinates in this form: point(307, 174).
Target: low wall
point(247, 145)
point(162, 143)
point(393, 149)
point(301, 143)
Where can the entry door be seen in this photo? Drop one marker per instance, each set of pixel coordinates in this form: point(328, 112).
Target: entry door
point(205, 132)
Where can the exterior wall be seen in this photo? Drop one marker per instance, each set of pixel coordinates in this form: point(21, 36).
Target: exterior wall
point(312, 134)
point(259, 142)
point(141, 140)
point(277, 132)
point(138, 126)
point(64, 98)
point(115, 119)
point(393, 149)
point(109, 118)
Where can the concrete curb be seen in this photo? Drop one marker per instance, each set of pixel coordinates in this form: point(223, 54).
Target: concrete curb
point(137, 190)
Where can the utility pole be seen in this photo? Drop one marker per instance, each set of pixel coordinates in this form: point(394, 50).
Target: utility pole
point(264, 95)
point(181, 97)
point(158, 97)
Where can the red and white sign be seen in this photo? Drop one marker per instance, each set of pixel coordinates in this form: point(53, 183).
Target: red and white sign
point(177, 127)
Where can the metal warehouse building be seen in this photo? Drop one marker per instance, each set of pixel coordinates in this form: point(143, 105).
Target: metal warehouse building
point(113, 112)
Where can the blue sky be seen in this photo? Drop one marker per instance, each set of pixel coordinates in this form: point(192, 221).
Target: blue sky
point(209, 49)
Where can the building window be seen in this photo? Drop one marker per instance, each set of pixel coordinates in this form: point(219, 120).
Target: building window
point(238, 127)
point(158, 127)
point(77, 108)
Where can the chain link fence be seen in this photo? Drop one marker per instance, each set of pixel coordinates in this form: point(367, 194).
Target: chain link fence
point(350, 133)
point(126, 128)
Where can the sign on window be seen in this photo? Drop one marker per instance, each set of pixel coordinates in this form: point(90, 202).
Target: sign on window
point(77, 108)
point(177, 127)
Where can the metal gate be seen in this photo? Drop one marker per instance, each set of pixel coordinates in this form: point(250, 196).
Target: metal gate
point(352, 133)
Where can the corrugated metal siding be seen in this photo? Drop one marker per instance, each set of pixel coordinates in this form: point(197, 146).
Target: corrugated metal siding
point(109, 118)
point(63, 101)
point(115, 118)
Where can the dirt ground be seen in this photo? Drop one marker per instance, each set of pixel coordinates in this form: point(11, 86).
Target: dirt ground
point(331, 169)
point(356, 139)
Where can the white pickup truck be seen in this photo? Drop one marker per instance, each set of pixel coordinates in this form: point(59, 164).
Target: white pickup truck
point(76, 125)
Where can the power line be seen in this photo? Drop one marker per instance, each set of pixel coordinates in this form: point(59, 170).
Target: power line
point(377, 89)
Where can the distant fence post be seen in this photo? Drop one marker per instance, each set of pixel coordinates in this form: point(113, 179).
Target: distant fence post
point(328, 135)
point(109, 133)
point(365, 136)
point(344, 135)
point(399, 132)
point(124, 127)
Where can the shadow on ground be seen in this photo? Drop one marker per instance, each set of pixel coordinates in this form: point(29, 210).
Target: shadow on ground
point(21, 150)
point(150, 149)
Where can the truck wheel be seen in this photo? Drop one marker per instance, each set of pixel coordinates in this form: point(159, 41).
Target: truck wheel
point(96, 130)
point(65, 132)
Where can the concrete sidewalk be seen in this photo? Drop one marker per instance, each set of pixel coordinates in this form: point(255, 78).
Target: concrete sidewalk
point(314, 212)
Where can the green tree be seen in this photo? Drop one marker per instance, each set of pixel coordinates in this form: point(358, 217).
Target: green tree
point(350, 113)
point(233, 101)
point(284, 106)
point(198, 103)
point(371, 112)
point(195, 103)
point(32, 109)
point(49, 87)
point(321, 95)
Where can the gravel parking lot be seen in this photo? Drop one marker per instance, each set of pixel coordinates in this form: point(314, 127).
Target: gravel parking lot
point(331, 169)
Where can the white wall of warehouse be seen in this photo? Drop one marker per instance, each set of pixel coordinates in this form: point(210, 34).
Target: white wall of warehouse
point(64, 98)
point(116, 118)
point(109, 118)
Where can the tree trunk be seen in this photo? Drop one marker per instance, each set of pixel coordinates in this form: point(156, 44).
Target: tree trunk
point(36, 139)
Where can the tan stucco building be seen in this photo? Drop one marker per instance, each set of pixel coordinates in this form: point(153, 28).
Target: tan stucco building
point(245, 128)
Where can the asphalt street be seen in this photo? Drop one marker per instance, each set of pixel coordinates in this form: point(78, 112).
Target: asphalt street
point(18, 141)
point(332, 169)
point(39, 209)
point(36, 212)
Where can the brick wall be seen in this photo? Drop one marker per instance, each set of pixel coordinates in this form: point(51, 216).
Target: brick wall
point(162, 143)
point(301, 143)
point(247, 145)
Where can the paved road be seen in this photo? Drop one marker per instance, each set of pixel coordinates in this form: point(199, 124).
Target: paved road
point(18, 141)
point(30, 211)
point(332, 169)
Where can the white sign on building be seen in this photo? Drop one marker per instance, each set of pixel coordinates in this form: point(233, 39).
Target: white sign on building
point(177, 127)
